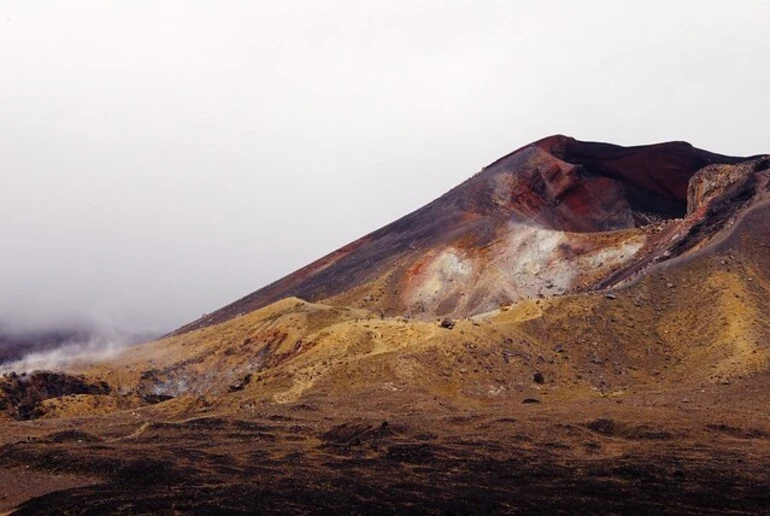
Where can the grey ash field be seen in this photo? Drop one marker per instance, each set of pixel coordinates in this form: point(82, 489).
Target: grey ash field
point(578, 328)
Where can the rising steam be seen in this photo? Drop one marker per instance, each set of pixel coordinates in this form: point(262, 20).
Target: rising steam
point(79, 347)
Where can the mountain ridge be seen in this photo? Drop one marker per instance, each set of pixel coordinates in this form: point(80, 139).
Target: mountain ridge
point(556, 183)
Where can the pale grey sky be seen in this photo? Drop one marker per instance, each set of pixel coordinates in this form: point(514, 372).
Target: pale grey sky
point(159, 159)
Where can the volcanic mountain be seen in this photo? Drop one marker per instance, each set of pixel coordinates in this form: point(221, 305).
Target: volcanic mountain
point(556, 216)
point(577, 328)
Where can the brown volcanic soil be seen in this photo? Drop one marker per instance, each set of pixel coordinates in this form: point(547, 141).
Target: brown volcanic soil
point(643, 453)
point(21, 484)
point(649, 397)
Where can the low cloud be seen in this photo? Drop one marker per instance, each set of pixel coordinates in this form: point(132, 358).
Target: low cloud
point(42, 351)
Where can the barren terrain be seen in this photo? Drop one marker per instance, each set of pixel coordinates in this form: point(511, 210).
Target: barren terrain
point(551, 363)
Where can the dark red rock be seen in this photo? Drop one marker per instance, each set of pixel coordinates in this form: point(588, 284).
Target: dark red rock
point(447, 324)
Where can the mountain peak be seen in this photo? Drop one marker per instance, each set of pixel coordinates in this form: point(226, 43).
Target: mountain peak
point(556, 216)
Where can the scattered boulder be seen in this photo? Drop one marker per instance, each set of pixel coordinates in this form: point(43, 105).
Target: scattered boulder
point(529, 401)
point(558, 348)
point(447, 324)
point(610, 296)
point(538, 377)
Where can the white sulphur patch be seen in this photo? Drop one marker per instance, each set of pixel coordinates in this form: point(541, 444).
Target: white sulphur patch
point(532, 261)
point(529, 262)
point(448, 272)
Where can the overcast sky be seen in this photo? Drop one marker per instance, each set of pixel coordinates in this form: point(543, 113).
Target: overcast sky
point(159, 159)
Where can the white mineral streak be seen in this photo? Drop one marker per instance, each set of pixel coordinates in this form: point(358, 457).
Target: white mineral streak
point(527, 263)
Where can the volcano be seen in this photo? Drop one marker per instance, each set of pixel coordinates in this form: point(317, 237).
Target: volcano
point(577, 328)
point(554, 217)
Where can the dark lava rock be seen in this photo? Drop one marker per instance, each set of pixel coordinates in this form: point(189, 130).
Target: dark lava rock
point(538, 377)
point(448, 324)
point(77, 436)
point(603, 426)
point(154, 399)
point(21, 395)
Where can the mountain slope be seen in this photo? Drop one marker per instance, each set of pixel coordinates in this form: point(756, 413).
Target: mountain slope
point(695, 320)
point(608, 352)
point(519, 294)
point(556, 216)
point(651, 398)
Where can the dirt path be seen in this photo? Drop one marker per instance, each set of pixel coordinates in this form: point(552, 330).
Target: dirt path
point(139, 431)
